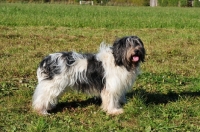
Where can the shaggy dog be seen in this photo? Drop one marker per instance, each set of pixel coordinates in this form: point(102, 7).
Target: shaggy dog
point(107, 74)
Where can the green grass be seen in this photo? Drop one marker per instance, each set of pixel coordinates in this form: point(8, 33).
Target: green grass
point(98, 16)
point(165, 96)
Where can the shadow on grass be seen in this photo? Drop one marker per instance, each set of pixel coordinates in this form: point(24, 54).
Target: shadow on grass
point(149, 98)
point(74, 104)
point(160, 98)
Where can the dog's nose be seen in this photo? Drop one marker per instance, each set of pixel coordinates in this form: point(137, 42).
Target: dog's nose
point(136, 51)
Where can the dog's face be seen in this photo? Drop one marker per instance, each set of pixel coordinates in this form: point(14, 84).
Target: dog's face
point(128, 51)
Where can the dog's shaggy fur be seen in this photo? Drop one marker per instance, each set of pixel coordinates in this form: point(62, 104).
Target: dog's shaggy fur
point(107, 74)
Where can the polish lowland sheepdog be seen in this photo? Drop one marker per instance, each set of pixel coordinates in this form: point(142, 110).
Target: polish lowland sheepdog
point(107, 74)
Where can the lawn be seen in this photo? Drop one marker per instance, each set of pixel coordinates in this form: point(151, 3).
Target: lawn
point(165, 97)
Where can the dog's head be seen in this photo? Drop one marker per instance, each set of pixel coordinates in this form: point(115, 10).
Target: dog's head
point(128, 51)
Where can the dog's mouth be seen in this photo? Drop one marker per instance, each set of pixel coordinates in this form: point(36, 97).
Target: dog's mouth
point(135, 58)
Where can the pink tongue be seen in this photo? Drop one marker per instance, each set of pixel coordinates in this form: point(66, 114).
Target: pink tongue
point(135, 58)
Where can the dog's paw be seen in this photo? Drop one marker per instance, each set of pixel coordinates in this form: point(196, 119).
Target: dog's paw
point(41, 112)
point(115, 111)
point(45, 113)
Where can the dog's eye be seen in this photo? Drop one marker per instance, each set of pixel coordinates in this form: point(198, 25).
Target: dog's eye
point(137, 44)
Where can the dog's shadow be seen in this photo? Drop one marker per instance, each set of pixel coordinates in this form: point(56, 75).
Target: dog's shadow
point(160, 98)
point(148, 98)
point(75, 104)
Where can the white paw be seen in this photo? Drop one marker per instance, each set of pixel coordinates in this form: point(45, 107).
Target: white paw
point(115, 111)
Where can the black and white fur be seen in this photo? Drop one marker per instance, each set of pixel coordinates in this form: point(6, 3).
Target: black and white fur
point(107, 74)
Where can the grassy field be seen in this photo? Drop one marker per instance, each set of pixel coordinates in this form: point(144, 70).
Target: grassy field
point(98, 16)
point(165, 97)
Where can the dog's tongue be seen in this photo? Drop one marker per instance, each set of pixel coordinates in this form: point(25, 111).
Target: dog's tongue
point(135, 58)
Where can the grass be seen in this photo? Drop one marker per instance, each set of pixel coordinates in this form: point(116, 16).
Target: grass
point(165, 96)
point(98, 16)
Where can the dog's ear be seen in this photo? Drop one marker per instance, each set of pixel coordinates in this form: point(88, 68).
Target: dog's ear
point(118, 50)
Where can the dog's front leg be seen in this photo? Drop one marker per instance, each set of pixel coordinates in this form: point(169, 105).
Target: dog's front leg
point(110, 102)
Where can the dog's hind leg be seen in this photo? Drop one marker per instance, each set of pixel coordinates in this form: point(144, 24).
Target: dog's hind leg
point(47, 93)
point(51, 83)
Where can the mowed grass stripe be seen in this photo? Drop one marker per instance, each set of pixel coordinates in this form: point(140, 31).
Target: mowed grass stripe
point(98, 16)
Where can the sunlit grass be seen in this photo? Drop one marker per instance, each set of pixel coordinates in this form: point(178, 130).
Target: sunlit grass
point(98, 16)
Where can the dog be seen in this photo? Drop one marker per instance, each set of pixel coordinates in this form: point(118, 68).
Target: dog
point(107, 74)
